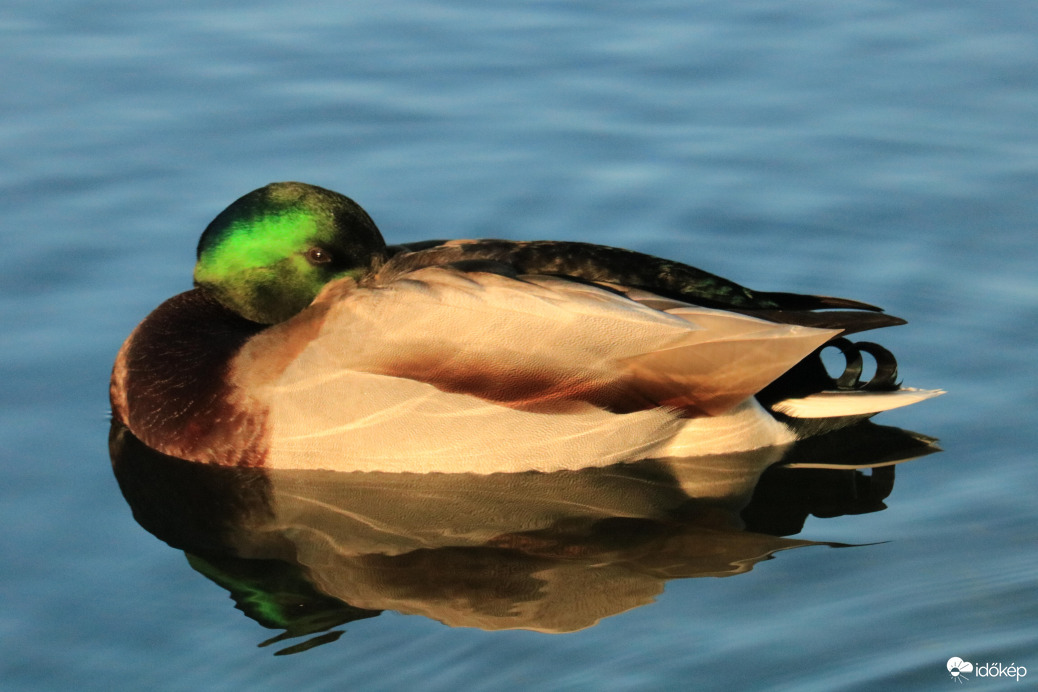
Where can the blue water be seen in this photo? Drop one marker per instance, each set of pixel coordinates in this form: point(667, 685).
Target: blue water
point(882, 151)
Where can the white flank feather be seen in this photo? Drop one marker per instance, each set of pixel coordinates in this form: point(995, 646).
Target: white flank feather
point(416, 375)
point(397, 425)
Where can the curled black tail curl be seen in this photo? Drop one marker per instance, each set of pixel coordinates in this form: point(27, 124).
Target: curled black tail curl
point(810, 375)
point(883, 380)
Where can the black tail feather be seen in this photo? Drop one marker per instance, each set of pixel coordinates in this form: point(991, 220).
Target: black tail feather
point(797, 301)
point(850, 321)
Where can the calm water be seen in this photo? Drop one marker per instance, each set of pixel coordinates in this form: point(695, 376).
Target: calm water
point(868, 149)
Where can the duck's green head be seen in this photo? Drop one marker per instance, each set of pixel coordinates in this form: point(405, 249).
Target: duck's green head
point(268, 255)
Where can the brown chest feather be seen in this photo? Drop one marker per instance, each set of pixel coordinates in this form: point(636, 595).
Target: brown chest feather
point(170, 384)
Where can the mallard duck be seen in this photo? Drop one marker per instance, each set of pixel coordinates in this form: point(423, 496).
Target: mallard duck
point(307, 342)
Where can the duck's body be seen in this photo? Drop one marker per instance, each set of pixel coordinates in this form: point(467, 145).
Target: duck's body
point(475, 356)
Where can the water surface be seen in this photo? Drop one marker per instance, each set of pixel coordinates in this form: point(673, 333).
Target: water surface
point(868, 149)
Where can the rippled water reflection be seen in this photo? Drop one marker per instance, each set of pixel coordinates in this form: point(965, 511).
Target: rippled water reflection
point(549, 552)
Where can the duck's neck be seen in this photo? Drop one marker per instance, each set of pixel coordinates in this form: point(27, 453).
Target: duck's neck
point(170, 383)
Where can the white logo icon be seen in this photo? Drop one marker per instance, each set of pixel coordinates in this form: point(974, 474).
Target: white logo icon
point(956, 666)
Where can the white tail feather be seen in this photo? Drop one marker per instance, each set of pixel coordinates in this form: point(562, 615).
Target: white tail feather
point(831, 404)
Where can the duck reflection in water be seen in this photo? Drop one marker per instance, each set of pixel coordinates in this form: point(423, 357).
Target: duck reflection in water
point(309, 550)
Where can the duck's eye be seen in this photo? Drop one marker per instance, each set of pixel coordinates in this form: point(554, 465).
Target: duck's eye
point(318, 255)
